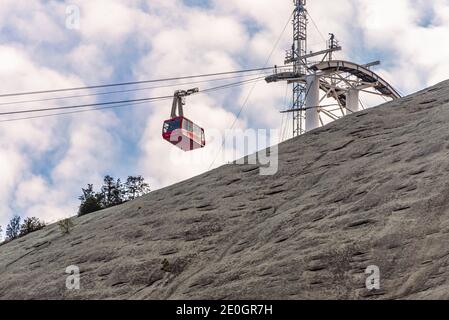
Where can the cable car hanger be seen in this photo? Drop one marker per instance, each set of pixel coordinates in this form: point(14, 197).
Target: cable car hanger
point(179, 101)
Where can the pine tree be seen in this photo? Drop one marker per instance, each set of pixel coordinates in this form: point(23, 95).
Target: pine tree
point(107, 190)
point(13, 228)
point(135, 187)
point(30, 225)
point(117, 195)
point(112, 193)
point(90, 201)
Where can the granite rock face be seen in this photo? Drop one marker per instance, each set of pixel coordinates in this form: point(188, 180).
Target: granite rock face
point(369, 189)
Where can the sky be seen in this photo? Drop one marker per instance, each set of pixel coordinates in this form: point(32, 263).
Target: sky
point(45, 162)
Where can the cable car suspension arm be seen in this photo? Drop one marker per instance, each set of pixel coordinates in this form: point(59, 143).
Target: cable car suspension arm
point(179, 100)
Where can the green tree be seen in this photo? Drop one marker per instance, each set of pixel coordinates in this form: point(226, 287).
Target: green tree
point(89, 206)
point(90, 201)
point(117, 195)
point(112, 192)
point(13, 228)
point(87, 193)
point(30, 225)
point(135, 187)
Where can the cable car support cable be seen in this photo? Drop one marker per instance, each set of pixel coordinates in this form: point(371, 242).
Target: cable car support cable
point(111, 105)
point(126, 91)
point(137, 82)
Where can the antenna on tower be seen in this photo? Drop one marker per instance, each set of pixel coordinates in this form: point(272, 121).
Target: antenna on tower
point(297, 57)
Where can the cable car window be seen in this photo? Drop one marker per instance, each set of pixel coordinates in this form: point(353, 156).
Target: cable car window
point(197, 130)
point(187, 125)
point(172, 125)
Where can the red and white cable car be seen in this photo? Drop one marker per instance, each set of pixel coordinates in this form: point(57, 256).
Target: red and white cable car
point(179, 130)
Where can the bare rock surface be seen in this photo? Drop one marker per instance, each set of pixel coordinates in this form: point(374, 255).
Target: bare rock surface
point(370, 189)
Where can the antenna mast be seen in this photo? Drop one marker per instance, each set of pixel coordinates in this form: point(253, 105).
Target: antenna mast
point(297, 56)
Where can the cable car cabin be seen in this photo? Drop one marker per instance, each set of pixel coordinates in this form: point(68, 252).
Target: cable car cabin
point(184, 134)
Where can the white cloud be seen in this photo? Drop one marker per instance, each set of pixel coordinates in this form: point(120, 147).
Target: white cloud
point(32, 21)
point(91, 149)
point(108, 22)
point(13, 165)
point(31, 191)
point(27, 144)
point(89, 61)
point(419, 52)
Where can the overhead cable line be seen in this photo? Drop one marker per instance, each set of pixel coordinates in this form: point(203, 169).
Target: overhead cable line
point(112, 104)
point(124, 91)
point(135, 82)
point(316, 27)
point(245, 102)
point(231, 85)
point(83, 105)
point(80, 111)
point(283, 130)
point(266, 63)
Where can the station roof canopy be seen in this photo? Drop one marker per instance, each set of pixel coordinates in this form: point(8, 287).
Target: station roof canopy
point(359, 71)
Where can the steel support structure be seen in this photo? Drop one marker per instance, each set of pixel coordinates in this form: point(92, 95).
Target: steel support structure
point(340, 80)
point(312, 102)
point(352, 100)
point(295, 56)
